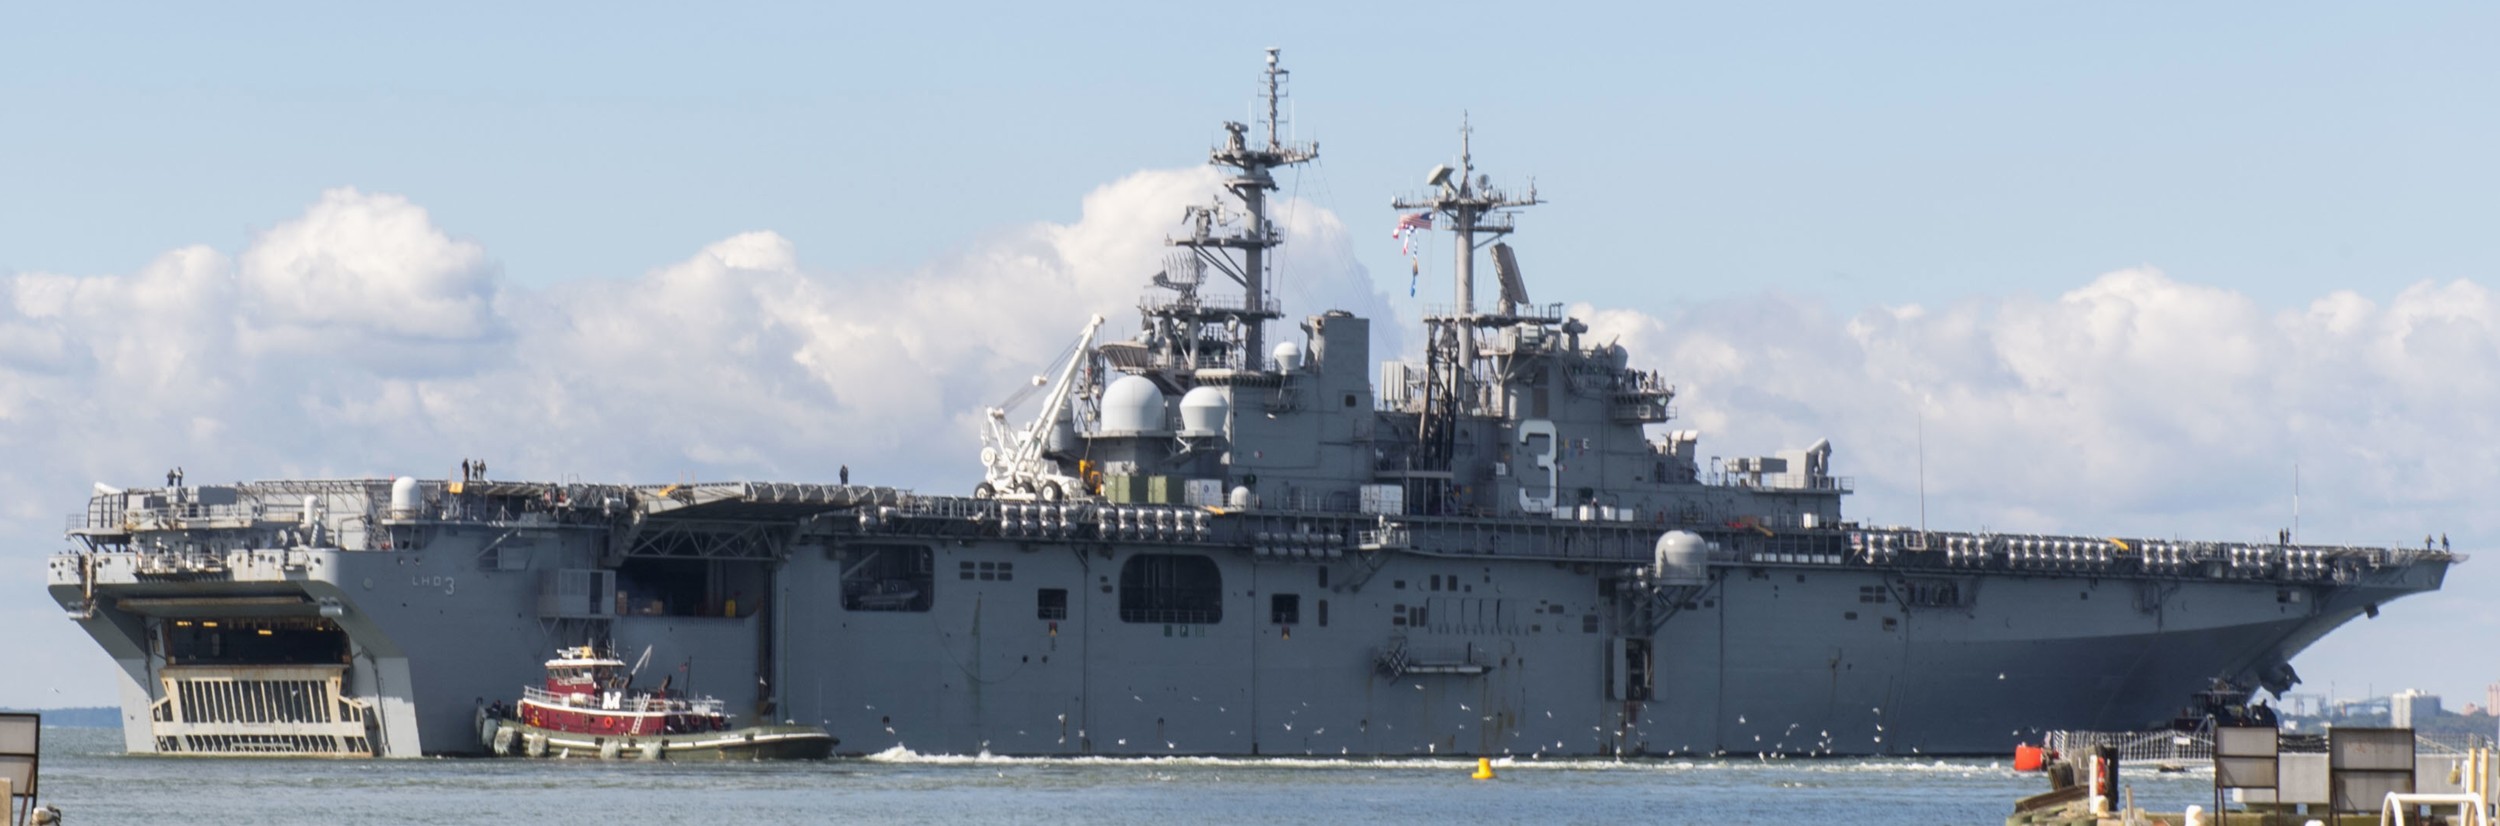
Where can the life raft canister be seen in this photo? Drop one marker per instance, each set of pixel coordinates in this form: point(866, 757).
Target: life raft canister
point(2029, 758)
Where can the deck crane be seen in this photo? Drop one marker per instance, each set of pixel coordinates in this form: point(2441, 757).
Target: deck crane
point(1013, 463)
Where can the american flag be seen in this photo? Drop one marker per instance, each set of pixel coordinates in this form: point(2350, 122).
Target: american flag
point(1405, 235)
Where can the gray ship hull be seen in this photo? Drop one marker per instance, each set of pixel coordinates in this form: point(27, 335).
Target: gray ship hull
point(1384, 651)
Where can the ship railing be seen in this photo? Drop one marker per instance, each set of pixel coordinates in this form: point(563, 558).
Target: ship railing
point(2448, 743)
point(462, 511)
point(1443, 310)
point(2182, 747)
point(1209, 301)
point(1339, 502)
point(951, 508)
point(1597, 380)
point(643, 705)
point(1642, 409)
point(1386, 536)
point(2172, 747)
point(471, 512)
point(169, 515)
point(1778, 482)
point(2204, 560)
point(195, 515)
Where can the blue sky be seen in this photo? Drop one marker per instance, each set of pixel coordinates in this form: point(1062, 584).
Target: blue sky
point(1878, 197)
point(1863, 153)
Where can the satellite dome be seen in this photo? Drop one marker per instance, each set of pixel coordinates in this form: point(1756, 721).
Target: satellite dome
point(1288, 357)
point(404, 498)
point(1683, 558)
point(1132, 405)
point(1202, 411)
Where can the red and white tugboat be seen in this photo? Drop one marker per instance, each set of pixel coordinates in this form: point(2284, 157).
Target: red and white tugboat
point(589, 708)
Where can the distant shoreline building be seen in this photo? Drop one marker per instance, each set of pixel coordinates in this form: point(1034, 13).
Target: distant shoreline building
point(2409, 705)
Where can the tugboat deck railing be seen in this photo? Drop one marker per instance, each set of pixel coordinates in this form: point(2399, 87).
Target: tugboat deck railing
point(638, 704)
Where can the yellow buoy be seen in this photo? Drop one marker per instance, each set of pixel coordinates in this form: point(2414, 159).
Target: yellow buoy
point(1484, 769)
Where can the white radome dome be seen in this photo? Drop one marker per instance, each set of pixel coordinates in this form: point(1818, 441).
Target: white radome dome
point(1202, 411)
point(1132, 404)
point(1288, 357)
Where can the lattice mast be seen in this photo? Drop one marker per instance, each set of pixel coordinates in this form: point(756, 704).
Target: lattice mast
point(1254, 235)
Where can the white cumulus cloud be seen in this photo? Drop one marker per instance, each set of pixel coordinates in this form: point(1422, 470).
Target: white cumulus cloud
point(2136, 403)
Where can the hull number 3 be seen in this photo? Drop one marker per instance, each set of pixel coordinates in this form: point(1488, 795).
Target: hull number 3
point(1543, 459)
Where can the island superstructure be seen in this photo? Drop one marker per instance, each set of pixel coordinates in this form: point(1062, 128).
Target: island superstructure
point(1211, 538)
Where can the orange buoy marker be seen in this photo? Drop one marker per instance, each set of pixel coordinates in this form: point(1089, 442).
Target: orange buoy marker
point(1484, 769)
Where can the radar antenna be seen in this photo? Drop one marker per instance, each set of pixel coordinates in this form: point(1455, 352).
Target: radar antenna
point(1475, 208)
point(1182, 273)
point(1214, 239)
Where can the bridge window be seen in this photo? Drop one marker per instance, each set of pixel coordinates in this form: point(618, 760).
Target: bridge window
point(1053, 604)
point(885, 577)
point(1171, 588)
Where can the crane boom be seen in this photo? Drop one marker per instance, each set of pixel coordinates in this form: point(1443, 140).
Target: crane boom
point(1014, 462)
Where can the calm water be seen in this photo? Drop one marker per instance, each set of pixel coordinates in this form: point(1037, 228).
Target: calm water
point(93, 783)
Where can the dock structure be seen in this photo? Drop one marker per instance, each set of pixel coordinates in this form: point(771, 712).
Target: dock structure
point(2349, 775)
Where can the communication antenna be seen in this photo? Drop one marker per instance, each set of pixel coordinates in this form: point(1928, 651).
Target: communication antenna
point(1474, 208)
point(1254, 236)
point(1275, 77)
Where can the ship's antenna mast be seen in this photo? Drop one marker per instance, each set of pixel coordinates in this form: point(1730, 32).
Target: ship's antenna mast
point(1255, 236)
point(1474, 208)
point(1275, 77)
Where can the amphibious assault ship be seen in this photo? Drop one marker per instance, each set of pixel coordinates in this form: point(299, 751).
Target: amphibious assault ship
point(1214, 539)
